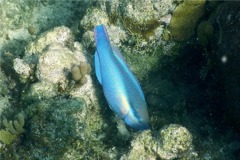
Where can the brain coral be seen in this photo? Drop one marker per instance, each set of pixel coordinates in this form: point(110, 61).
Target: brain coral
point(185, 18)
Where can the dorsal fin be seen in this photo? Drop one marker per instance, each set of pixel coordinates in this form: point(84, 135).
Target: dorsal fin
point(127, 69)
point(117, 53)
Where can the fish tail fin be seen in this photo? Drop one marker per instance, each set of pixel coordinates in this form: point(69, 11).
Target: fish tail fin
point(100, 33)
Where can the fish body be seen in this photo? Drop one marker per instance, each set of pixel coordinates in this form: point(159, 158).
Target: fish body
point(121, 89)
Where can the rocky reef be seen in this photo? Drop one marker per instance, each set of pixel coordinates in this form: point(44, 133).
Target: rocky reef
point(184, 54)
point(171, 142)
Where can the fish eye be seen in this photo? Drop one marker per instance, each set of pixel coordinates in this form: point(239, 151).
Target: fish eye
point(140, 120)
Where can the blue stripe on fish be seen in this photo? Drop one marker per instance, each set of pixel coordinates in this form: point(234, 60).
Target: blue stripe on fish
point(121, 89)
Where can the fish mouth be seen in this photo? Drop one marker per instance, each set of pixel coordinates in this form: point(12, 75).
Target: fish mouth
point(136, 123)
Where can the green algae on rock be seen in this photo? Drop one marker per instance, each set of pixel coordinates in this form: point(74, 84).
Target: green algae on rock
point(185, 18)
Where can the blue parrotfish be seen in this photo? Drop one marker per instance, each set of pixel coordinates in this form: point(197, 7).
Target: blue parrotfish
point(120, 87)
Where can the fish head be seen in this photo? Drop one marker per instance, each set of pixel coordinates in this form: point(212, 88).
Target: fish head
point(136, 120)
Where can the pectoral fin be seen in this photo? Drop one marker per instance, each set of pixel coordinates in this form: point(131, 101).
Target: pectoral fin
point(97, 67)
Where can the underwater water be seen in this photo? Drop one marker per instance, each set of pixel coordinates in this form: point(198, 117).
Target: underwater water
point(184, 55)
